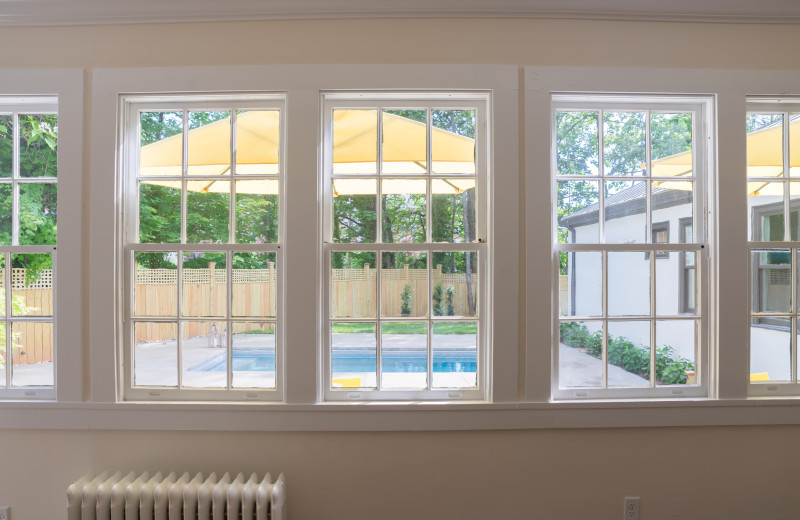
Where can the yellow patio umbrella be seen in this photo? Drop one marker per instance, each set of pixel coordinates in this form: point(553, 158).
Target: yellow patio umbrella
point(354, 151)
point(764, 159)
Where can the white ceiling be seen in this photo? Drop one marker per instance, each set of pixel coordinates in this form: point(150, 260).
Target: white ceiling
point(70, 12)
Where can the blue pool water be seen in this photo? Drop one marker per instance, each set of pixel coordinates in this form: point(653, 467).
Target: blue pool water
point(351, 360)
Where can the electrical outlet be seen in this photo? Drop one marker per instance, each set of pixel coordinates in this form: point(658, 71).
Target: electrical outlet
point(5, 513)
point(631, 508)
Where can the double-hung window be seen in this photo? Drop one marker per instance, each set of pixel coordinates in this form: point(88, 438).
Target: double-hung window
point(631, 316)
point(773, 201)
point(28, 213)
point(405, 245)
point(202, 256)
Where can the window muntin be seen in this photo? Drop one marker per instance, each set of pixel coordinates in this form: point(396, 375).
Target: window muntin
point(622, 167)
point(203, 247)
point(773, 198)
point(405, 246)
point(28, 223)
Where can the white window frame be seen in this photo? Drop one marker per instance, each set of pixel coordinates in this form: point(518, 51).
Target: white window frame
point(131, 106)
point(699, 107)
point(454, 100)
point(56, 92)
point(303, 85)
point(783, 106)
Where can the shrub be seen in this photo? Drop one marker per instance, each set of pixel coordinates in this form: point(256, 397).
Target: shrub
point(450, 297)
point(405, 301)
point(670, 368)
point(438, 295)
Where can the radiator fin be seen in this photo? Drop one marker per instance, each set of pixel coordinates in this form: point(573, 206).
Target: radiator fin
point(157, 497)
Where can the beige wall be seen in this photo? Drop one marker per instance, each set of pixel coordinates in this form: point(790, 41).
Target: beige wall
point(686, 473)
point(680, 473)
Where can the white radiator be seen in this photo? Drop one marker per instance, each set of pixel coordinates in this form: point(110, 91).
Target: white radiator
point(172, 497)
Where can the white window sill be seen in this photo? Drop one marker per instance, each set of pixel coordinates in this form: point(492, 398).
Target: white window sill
point(396, 416)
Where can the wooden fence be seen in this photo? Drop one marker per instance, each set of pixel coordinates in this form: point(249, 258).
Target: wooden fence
point(353, 291)
point(204, 295)
point(32, 342)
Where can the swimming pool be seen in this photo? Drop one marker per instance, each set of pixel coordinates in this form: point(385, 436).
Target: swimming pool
point(351, 360)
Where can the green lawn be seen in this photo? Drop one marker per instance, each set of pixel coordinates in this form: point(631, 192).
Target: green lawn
point(412, 327)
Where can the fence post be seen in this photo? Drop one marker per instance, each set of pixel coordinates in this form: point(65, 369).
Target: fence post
point(272, 288)
point(366, 301)
point(211, 292)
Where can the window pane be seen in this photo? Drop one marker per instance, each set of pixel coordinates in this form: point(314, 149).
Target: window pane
point(626, 212)
point(580, 354)
point(671, 136)
point(155, 291)
point(354, 213)
point(209, 143)
point(355, 142)
point(6, 146)
point(764, 145)
point(404, 210)
point(257, 212)
point(204, 285)
point(628, 284)
point(675, 352)
point(6, 220)
point(453, 137)
point(404, 354)
point(32, 285)
point(624, 143)
point(2, 294)
point(38, 209)
point(628, 353)
point(770, 349)
point(455, 354)
point(207, 212)
point(3, 347)
point(353, 284)
point(765, 202)
point(254, 291)
point(32, 350)
point(253, 354)
point(453, 210)
point(353, 355)
point(257, 142)
point(794, 205)
point(675, 283)
point(38, 138)
point(455, 284)
point(581, 284)
point(405, 142)
point(404, 284)
point(577, 143)
point(161, 152)
point(155, 354)
point(772, 280)
point(205, 354)
point(794, 146)
point(673, 200)
point(578, 209)
point(160, 212)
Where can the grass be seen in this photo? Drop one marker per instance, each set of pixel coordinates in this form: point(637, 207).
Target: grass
point(258, 331)
point(411, 327)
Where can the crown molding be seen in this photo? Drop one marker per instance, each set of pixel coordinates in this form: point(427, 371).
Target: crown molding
point(94, 12)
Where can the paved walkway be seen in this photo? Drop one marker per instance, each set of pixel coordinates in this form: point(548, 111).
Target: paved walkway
point(580, 370)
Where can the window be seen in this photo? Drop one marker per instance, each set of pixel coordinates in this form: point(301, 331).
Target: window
point(688, 293)
point(773, 189)
point(28, 212)
point(629, 321)
point(405, 246)
point(203, 246)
